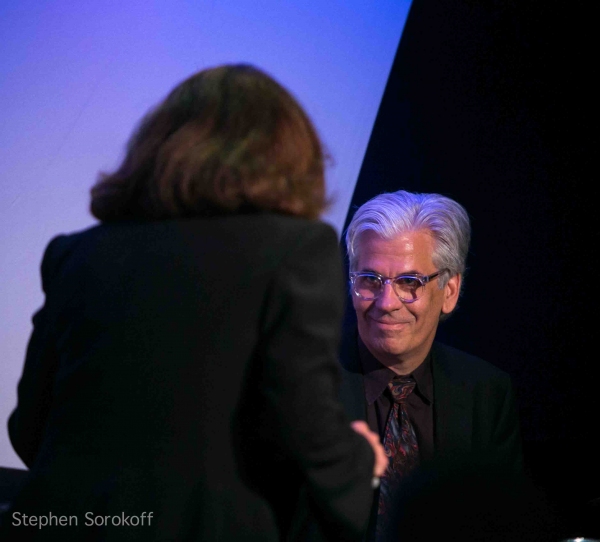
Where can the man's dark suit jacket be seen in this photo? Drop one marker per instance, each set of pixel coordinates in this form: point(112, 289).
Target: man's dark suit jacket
point(476, 421)
point(188, 368)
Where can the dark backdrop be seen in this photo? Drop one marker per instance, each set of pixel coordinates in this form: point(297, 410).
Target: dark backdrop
point(493, 104)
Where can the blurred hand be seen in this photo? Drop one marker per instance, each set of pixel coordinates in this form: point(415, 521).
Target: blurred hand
point(381, 460)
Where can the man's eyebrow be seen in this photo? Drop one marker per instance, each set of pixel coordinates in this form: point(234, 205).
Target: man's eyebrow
point(369, 270)
point(410, 272)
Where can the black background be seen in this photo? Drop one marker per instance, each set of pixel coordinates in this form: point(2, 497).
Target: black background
point(494, 104)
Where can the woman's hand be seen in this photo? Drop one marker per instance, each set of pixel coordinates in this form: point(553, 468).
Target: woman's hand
point(381, 460)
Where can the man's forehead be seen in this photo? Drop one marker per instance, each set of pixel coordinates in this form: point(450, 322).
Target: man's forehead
point(418, 239)
point(409, 246)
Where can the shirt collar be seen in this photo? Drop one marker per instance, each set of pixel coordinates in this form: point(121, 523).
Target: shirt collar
point(377, 376)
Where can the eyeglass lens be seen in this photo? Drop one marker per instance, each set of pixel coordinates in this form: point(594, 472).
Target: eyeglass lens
point(370, 286)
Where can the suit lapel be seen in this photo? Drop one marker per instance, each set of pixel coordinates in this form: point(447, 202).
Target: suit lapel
point(453, 401)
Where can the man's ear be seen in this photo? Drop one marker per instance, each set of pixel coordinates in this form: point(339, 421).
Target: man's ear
point(451, 291)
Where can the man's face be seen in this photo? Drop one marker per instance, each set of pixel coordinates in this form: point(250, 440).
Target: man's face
point(400, 334)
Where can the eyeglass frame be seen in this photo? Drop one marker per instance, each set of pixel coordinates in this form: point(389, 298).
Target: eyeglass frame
point(423, 279)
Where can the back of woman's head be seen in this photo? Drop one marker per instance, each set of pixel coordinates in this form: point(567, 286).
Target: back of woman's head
point(226, 139)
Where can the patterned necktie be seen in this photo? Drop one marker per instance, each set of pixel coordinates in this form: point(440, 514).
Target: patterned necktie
point(400, 444)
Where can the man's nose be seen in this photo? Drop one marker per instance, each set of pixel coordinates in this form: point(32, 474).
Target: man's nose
point(388, 300)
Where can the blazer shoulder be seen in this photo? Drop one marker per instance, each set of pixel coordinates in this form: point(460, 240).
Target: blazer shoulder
point(291, 225)
point(268, 231)
point(58, 250)
point(309, 245)
point(457, 363)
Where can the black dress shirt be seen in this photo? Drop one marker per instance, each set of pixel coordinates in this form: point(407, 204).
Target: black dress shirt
point(379, 399)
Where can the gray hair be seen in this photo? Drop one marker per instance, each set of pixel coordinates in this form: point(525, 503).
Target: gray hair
point(390, 214)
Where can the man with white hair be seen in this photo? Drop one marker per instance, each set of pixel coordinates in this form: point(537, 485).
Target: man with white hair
point(430, 403)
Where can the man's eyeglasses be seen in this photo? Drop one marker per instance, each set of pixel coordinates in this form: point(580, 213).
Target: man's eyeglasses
point(408, 287)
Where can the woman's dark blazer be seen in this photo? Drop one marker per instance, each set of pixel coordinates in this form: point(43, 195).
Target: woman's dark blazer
point(188, 368)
